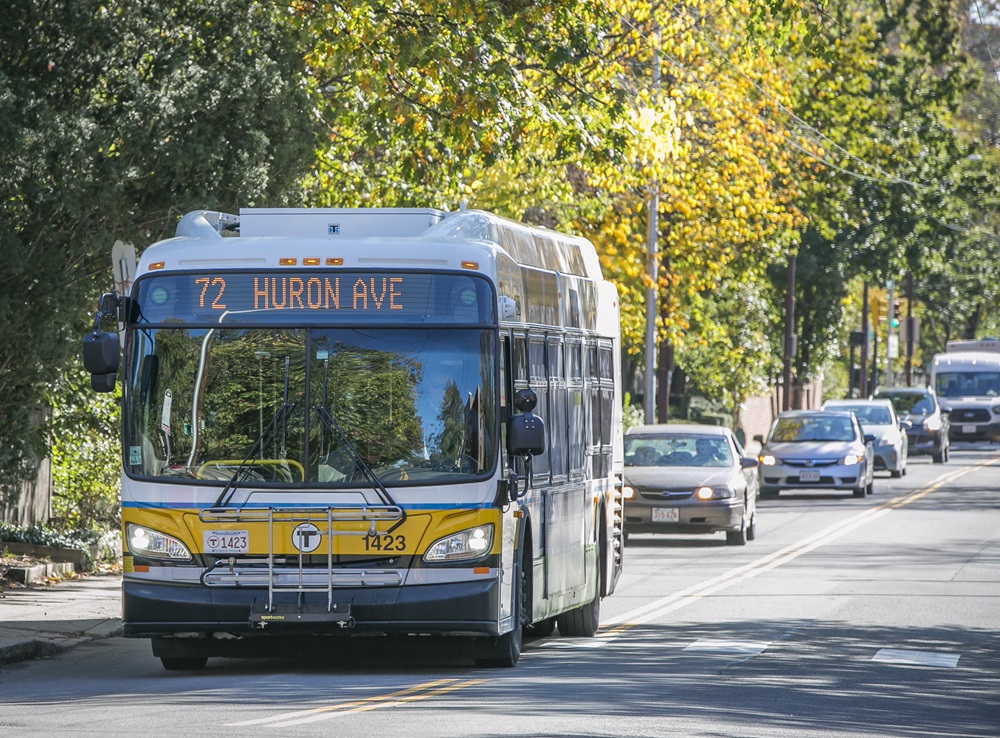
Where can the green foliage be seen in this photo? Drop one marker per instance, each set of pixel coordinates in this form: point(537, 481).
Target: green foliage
point(116, 117)
point(86, 455)
point(100, 546)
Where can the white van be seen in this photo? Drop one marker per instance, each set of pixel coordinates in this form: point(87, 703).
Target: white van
point(967, 381)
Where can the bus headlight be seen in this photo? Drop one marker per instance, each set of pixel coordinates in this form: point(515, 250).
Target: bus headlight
point(467, 544)
point(143, 541)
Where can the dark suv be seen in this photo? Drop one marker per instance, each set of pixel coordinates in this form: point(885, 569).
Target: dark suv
point(929, 433)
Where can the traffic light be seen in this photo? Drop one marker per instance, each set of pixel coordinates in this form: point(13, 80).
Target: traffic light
point(894, 323)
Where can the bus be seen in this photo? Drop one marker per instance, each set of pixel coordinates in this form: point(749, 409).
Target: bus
point(966, 378)
point(342, 422)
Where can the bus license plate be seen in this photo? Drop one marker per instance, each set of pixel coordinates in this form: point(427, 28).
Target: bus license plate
point(811, 475)
point(968, 429)
point(226, 541)
point(666, 514)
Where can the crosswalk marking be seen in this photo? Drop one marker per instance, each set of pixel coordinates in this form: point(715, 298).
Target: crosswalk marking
point(916, 658)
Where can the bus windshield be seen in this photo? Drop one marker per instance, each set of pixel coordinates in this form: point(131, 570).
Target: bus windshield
point(968, 384)
point(416, 404)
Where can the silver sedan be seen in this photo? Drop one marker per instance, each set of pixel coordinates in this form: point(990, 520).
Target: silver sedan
point(815, 449)
point(689, 479)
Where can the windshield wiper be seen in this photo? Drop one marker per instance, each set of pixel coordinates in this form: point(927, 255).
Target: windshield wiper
point(371, 476)
point(278, 420)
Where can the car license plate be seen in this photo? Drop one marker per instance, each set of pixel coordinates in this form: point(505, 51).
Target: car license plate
point(810, 475)
point(968, 429)
point(666, 514)
point(226, 541)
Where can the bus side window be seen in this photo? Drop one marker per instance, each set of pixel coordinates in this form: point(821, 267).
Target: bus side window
point(558, 398)
point(539, 382)
point(517, 380)
point(592, 391)
point(606, 373)
point(577, 430)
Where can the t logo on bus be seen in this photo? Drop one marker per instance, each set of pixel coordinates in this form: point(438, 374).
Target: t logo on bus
point(306, 537)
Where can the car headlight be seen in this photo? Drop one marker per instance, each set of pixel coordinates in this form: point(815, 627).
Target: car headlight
point(152, 544)
point(933, 424)
point(996, 409)
point(714, 493)
point(851, 459)
point(467, 544)
point(627, 492)
point(767, 460)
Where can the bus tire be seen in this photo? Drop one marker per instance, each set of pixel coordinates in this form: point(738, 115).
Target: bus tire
point(505, 650)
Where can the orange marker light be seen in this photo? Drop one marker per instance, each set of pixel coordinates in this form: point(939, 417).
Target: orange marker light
point(480, 570)
point(334, 261)
point(157, 265)
point(310, 261)
point(470, 265)
point(286, 262)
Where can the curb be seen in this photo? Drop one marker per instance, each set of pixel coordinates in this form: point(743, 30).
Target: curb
point(36, 648)
point(38, 572)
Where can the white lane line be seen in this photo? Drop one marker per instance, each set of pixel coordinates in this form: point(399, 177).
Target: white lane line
point(749, 648)
point(692, 594)
point(916, 658)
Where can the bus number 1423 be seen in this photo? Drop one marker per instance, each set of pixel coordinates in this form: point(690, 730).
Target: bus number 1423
point(385, 542)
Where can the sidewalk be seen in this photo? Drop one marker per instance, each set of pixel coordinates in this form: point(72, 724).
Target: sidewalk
point(38, 620)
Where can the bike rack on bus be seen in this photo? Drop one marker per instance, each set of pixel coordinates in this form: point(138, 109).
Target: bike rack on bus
point(249, 572)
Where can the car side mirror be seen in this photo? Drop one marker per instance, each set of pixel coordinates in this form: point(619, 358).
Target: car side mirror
point(759, 438)
point(905, 424)
point(748, 462)
point(869, 438)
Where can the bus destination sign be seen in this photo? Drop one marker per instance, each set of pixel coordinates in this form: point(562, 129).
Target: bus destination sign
point(312, 297)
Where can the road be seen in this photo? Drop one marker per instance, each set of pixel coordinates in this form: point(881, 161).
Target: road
point(846, 617)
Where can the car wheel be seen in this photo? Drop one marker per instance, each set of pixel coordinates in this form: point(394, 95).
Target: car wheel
point(752, 528)
point(769, 492)
point(870, 488)
point(737, 537)
point(896, 473)
point(938, 458)
point(861, 491)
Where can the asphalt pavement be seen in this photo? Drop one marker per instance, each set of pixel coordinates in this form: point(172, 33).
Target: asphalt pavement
point(41, 619)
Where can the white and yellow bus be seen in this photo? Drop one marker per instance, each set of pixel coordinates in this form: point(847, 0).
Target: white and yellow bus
point(371, 421)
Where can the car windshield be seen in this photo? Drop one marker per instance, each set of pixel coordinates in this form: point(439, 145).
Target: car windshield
point(804, 428)
point(867, 414)
point(912, 404)
point(677, 450)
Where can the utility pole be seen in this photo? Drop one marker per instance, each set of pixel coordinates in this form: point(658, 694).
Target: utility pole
point(909, 329)
point(892, 340)
point(652, 267)
point(790, 338)
point(863, 378)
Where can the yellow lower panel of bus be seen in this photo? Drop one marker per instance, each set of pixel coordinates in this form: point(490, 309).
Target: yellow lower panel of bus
point(309, 533)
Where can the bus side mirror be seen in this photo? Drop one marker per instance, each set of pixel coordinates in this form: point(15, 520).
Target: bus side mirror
point(525, 432)
point(525, 435)
point(103, 382)
point(101, 353)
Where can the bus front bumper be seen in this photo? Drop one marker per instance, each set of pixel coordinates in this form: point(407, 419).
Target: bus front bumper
point(152, 609)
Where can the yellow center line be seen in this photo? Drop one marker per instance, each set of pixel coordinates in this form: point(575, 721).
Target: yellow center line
point(773, 560)
point(376, 703)
point(394, 696)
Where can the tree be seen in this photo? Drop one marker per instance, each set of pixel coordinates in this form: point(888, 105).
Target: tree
point(879, 102)
point(116, 117)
